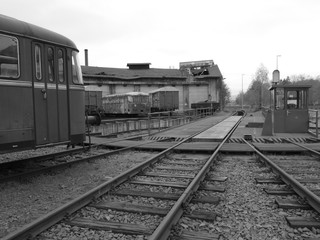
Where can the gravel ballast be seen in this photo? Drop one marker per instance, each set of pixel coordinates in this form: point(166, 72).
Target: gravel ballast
point(246, 211)
point(24, 201)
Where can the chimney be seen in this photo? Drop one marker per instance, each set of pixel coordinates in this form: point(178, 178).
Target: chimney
point(86, 57)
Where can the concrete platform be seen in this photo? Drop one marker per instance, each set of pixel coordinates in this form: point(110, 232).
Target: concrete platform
point(250, 125)
point(242, 129)
point(256, 119)
point(219, 131)
point(192, 128)
point(210, 147)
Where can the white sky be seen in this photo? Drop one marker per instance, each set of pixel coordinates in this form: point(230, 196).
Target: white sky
point(238, 35)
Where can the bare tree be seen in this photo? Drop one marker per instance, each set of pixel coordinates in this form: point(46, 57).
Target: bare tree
point(225, 94)
point(257, 94)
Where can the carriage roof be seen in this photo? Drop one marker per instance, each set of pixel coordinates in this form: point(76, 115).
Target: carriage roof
point(165, 89)
point(128, 94)
point(9, 25)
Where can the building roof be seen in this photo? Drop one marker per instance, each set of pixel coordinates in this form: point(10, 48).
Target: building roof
point(133, 74)
point(125, 73)
point(213, 71)
point(290, 86)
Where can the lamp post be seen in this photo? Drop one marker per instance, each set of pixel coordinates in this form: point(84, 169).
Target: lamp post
point(242, 91)
point(277, 61)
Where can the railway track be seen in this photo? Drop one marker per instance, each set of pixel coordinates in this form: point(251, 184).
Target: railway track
point(183, 195)
point(29, 166)
point(33, 166)
point(36, 165)
point(184, 192)
point(294, 175)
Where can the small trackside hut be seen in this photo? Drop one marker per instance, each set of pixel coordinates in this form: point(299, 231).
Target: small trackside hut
point(41, 87)
point(289, 111)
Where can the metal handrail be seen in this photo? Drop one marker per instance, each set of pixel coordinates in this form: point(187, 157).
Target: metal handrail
point(316, 121)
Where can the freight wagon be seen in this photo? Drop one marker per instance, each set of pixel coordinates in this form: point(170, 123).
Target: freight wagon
point(93, 102)
point(206, 104)
point(131, 104)
point(164, 99)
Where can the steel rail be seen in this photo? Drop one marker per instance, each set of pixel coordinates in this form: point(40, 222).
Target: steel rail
point(304, 147)
point(39, 225)
point(162, 232)
point(69, 152)
point(67, 164)
point(44, 157)
point(302, 191)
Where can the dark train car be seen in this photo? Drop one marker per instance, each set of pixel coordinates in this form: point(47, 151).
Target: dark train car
point(93, 102)
point(41, 87)
point(130, 104)
point(164, 99)
point(206, 104)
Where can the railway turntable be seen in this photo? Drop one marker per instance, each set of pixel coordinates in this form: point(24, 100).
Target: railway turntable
point(218, 131)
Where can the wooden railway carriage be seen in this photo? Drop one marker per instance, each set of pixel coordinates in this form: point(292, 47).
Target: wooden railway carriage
point(131, 103)
point(41, 87)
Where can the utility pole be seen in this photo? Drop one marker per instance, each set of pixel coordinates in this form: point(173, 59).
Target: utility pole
point(242, 91)
point(277, 61)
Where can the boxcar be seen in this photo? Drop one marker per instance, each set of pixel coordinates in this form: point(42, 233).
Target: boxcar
point(41, 87)
point(206, 104)
point(164, 99)
point(93, 102)
point(131, 104)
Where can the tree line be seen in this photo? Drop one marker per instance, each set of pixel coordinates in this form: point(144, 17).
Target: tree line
point(258, 95)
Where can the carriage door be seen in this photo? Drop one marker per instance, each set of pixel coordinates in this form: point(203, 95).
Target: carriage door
point(50, 94)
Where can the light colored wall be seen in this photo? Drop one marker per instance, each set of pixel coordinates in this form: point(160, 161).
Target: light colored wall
point(198, 93)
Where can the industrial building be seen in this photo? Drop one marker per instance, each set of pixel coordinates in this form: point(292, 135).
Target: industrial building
point(196, 80)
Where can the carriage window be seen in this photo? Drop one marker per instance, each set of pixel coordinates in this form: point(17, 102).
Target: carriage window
point(50, 65)
point(76, 70)
point(9, 59)
point(61, 66)
point(37, 55)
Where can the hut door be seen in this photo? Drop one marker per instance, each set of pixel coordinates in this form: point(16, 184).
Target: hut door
point(297, 118)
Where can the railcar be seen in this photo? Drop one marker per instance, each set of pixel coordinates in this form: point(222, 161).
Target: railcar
point(93, 107)
point(93, 102)
point(164, 99)
point(126, 104)
point(206, 104)
point(41, 87)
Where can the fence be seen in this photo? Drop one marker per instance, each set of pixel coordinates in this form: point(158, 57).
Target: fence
point(155, 121)
point(313, 122)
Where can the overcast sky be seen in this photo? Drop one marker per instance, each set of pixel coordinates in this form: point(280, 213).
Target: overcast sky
point(238, 35)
